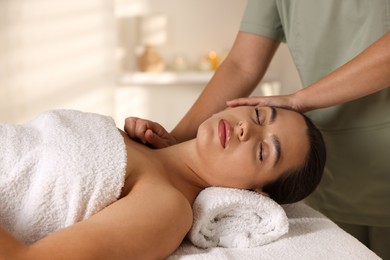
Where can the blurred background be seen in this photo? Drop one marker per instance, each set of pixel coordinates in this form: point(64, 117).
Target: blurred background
point(146, 58)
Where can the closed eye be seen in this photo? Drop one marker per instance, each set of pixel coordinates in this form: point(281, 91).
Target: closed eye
point(257, 116)
point(261, 152)
point(261, 145)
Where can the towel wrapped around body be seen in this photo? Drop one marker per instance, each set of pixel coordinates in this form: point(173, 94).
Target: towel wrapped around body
point(58, 169)
point(235, 218)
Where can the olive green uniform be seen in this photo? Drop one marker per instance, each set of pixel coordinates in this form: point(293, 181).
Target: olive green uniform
point(322, 35)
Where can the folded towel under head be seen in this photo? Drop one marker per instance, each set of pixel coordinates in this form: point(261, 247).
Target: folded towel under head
point(228, 217)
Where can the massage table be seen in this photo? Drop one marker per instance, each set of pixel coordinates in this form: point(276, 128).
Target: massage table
point(311, 236)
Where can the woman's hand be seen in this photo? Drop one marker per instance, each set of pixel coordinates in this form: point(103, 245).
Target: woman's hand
point(288, 101)
point(148, 132)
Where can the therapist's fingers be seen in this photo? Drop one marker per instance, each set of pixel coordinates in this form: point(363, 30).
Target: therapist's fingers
point(276, 101)
point(135, 128)
point(248, 101)
point(158, 140)
point(148, 132)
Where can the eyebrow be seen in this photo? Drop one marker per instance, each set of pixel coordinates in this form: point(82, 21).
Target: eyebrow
point(278, 149)
point(274, 113)
point(275, 139)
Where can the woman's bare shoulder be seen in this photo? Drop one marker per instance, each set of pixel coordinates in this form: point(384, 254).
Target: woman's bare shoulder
point(152, 216)
point(164, 211)
point(164, 197)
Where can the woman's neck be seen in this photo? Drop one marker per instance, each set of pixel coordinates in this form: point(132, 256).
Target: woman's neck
point(174, 165)
point(180, 168)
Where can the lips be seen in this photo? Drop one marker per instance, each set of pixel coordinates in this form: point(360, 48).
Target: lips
point(223, 132)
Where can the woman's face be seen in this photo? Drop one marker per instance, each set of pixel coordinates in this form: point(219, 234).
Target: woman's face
point(248, 147)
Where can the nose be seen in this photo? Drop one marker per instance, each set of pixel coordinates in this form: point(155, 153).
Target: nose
point(245, 130)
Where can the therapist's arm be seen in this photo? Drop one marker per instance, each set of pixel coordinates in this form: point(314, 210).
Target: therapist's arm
point(237, 76)
point(367, 73)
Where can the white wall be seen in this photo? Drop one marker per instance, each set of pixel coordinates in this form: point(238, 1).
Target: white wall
point(56, 54)
point(194, 28)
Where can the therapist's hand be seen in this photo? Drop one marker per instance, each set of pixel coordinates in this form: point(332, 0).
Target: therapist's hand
point(148, 132)
point(288, 101)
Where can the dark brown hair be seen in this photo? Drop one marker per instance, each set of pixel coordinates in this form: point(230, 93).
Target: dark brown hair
point(296, 184)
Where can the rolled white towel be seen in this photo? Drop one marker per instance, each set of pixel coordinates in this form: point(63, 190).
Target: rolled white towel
point(228, 217)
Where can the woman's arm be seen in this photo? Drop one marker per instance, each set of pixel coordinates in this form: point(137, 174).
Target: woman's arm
point(237, 76)
point(367, 73)
point(138, 226)
point(9, 246)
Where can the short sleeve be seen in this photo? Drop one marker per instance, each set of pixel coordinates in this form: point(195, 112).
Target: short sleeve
point(262, 17)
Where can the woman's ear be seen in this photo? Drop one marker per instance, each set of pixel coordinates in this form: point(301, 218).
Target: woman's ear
point(261, 192)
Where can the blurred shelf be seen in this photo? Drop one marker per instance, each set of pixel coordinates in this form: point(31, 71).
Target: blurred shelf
point(165, 78)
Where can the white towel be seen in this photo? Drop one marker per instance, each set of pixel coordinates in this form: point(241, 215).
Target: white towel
point(311, 236)
point(236, 218)
point(58, 169)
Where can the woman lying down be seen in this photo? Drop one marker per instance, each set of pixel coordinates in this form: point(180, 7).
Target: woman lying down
point(74, 187)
